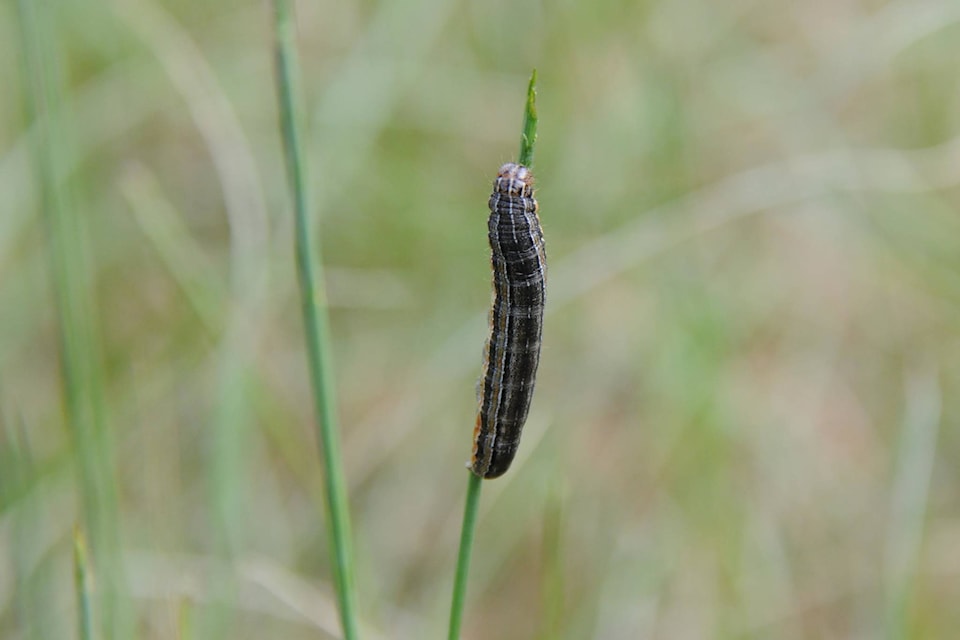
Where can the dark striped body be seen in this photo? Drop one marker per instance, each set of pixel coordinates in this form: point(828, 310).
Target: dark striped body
point(512, 352)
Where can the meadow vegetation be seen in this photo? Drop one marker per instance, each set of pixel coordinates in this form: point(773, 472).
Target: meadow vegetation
point(745, 417)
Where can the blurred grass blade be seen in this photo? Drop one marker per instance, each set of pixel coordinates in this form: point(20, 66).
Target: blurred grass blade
point(185, 624)
point(82, 581)
point(74, 292)
point(16, 482)
point(553, 571)
point(529, 139)
point(185, 261)
point(911, 491)
point(313, 306)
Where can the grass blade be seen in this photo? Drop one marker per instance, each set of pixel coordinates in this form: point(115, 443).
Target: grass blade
point(81, 579)
point(463, 557)
point(75, 301)
point(313, 307)
point(529, 124)
point(529, 139)
point(916, 455)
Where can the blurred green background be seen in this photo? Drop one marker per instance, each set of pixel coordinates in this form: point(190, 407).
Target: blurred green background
point(743, 424)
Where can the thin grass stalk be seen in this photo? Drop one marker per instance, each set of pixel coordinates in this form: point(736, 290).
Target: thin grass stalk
point(474, 483)
point(72, 283)
point(314, 309)
point(467, 531)
point(81, 581)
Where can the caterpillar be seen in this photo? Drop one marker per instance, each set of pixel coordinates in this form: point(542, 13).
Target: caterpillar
point(512, 350)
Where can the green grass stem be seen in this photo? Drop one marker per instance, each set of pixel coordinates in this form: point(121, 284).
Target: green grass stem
point(81, 581)
point(463, 557)
point(314, 310)
point(74, 294)
point(474, 484)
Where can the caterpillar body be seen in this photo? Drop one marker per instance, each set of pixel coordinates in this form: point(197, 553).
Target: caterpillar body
point(512, 350)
